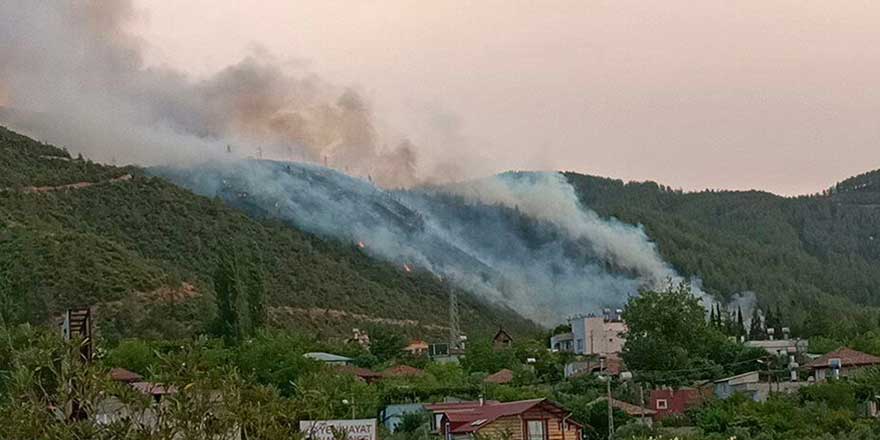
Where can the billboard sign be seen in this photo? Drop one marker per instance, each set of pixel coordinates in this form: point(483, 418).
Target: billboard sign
point(359, 429)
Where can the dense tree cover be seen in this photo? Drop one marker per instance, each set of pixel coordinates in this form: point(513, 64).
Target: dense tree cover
point(815, 257)
point(670, 341)
point(266, 385)
point(146, 252)
point(267, 372)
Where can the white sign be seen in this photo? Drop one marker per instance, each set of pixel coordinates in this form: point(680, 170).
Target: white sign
point(362, 429)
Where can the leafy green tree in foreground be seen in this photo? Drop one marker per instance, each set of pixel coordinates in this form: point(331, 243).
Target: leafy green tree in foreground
point(240, 292)
point(669, 340)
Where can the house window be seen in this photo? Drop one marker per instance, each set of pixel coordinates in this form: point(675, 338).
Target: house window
point(536, 430)
point(662, 404)
point(580, 345)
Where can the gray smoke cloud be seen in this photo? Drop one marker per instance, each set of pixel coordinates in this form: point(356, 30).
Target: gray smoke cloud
point(74, 76)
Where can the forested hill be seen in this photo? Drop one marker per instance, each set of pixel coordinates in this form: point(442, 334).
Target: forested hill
point(73, 232)
point(817, 258)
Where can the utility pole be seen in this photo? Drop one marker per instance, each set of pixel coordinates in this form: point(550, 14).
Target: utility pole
point(610, 409)
point(642, 404)
point(454, 324)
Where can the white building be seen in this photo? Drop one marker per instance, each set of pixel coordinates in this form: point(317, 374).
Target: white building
point(590, 334)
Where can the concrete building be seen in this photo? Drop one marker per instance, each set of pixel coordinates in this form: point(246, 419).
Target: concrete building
point(780, 347)
point(843, 362)
point(750, 385)
point(563, 342)
point(329, 358)
point(602, 335)
point(392, 415)
point(668, 401)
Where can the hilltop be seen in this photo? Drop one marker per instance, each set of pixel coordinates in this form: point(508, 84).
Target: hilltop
point(74, 232)
point(816, 258)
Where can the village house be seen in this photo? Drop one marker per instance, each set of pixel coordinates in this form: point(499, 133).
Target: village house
point(438, 409)
point(668, 402)
point(591, 334)
point(610, 364)
point(843, 362)
point(502, 340)
point(781, 347)
point(417, 347)
point(750, 385)
point(329, 358)
point(392, 415)
point(538, 419)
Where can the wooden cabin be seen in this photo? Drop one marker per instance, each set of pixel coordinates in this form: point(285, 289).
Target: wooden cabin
point(537, 419)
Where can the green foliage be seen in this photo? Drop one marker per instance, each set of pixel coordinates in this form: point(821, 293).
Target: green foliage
point(133, 354)
point(49, 393)
point(276, 359)
point(481, 357)
point(239, 291)
point(385, 344)
point(670, 341)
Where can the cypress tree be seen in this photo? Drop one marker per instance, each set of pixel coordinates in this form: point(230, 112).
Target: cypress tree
point(756, 328)
point(227, 294)
point(740, 325)
point(256, 306)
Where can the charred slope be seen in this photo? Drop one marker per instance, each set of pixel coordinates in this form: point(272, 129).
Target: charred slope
point(145, 249)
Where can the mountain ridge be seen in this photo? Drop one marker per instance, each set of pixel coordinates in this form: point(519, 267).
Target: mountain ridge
point(114, 243)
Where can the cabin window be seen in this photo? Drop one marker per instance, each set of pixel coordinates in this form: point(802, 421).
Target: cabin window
point(536, 430)
point(662, 404)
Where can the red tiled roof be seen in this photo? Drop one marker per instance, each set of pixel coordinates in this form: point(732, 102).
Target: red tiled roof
point(500, 377)
point(848, 357)
point(465, 420)
point(123, 375)
point(402, 371)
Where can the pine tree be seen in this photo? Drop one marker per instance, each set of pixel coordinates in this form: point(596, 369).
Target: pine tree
point(712, 316)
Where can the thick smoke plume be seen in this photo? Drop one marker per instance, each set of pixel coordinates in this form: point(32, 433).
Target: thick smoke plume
point(520, 239)
point(73, 75)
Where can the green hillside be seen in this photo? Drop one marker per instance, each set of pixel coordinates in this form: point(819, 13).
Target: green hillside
point(73, 232)
point(816, 258)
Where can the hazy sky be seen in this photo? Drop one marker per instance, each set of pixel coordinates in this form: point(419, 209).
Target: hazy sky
point(776, 95)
